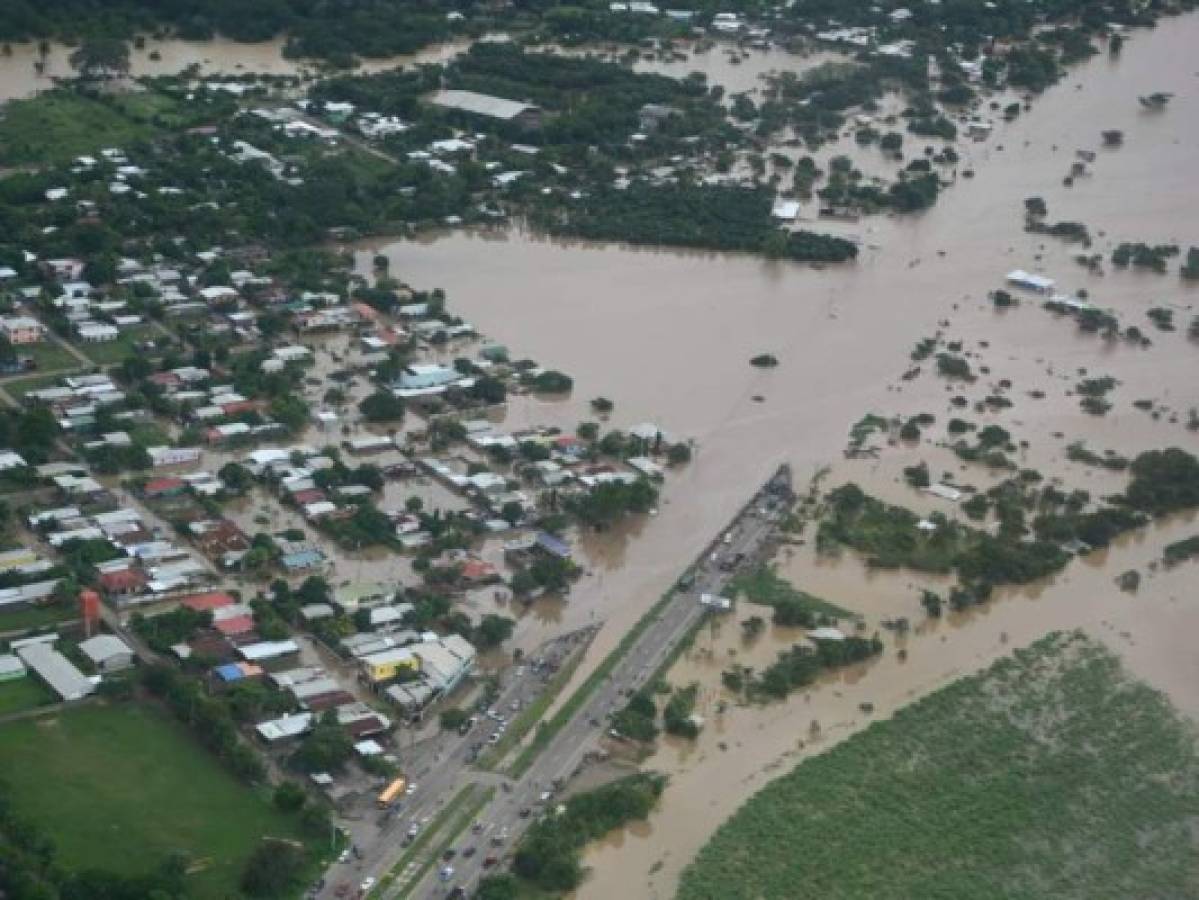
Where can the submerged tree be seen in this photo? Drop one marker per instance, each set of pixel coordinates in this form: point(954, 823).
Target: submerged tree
point(101, 58)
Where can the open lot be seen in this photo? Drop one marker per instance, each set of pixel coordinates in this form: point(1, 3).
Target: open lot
point(109, 352)
point(36, 617)
point(21, 694)
point(1049, 775)
point(17, 388)
point(121, 788)
point(50, 356)
point(58, 127)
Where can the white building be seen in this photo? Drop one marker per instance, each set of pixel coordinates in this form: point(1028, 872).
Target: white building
point(108, 652)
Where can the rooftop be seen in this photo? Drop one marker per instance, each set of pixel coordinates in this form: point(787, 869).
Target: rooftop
point(481, 104)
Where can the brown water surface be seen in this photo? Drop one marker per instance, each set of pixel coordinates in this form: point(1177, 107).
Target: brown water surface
point(668, 335)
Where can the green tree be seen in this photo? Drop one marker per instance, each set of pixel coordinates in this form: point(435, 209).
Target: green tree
point(289, 796)
point(498, 887)
point(326, 748)
point(101, 57)
point(452, 719)
point(382, 406)
point(273, 869)
point(492, 631)
point(236, 477)
point(512, 512)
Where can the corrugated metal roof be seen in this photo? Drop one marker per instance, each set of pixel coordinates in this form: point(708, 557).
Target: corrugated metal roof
point(57, 671)
point(481, 104)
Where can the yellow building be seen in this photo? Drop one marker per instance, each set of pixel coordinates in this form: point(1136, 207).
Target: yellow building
point(387, 664)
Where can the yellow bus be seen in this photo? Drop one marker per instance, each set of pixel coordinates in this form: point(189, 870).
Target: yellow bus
point(392, 792)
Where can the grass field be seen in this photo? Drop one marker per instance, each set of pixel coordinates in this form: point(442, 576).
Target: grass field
point(109, 352)
point(1050, 775)
point(36, 617)
point(17, 388)
point(22, 694)
point(51, 356)
point(59, 126)
point(764, 587)
point(122, 787)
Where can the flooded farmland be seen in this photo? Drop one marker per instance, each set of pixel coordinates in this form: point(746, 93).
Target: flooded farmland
point(667, 336)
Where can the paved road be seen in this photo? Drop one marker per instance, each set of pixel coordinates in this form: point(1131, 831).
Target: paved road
point(440, 768)
point(747, 539)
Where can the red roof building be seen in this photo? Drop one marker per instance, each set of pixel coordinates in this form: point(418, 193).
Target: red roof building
point(122, 582)
point(310, 495)
point(220, 536)
point(209, 601)
point(240, 406)
point(234, 625)
point(165, 379)
point(365, 727)
point(330, 700)
point(478, 571)
point(164, 487)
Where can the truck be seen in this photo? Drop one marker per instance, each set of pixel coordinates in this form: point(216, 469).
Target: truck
point(393, 792)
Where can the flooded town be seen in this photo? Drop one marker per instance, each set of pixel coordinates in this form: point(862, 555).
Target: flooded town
point(587, 454)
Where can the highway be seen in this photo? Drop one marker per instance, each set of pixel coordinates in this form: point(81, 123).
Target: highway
point(744, 544)
point(439, 769)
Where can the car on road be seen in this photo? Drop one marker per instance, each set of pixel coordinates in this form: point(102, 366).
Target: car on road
point(456, 893)
point(525, 812)
point(477, 828)
point(447, 872)
point(367, 883)
point(494, 739)
point(490, 861)
point(468, 852)
point(449, 854)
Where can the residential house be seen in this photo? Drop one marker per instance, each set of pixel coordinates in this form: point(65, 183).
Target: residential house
point(22, 329)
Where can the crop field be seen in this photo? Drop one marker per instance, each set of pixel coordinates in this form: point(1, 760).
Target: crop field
point(1050, 775)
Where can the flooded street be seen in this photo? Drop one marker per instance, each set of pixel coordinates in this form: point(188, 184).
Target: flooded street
point(668, 336)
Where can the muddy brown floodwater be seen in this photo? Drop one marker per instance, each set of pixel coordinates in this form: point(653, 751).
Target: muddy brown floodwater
point(20, 78)
point(668, 335)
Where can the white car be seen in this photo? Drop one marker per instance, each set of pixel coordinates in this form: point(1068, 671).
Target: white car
point(367, 883)
point(411, 789)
